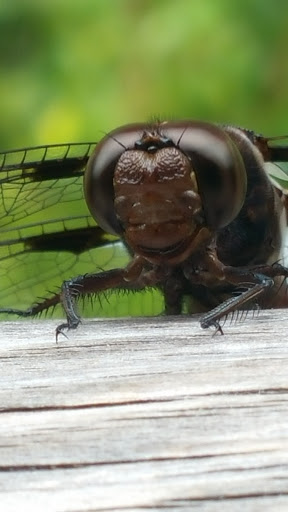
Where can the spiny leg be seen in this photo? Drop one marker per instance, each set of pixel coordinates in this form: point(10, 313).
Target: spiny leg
point(258, 278)
point(72, 289)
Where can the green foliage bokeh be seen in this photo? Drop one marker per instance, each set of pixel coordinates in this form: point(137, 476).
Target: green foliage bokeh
point(72, 70)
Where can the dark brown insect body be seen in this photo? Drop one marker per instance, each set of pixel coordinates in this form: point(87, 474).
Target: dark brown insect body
point(193, 203)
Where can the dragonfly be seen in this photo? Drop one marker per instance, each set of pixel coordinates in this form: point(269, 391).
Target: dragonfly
point(186, 208)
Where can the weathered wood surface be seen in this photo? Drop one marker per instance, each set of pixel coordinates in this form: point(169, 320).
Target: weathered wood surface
point(145, 414)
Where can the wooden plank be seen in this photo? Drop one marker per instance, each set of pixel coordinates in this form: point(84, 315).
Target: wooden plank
point(140, 414)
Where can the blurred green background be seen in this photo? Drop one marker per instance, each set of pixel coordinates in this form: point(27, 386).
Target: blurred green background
point(72, 70)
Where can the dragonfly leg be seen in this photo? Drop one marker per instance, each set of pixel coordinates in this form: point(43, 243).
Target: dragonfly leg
point(133, 277)
point(256, 285)
point(36, 308)
point(86, 284)
point(71, 290)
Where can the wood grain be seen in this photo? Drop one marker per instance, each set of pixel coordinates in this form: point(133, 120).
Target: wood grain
point(144, 414)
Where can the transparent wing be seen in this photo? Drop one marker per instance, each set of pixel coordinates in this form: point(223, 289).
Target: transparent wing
point(275, 152)
point(46, 231)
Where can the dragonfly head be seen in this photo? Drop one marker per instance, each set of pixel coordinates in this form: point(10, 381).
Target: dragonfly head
point(160, 186)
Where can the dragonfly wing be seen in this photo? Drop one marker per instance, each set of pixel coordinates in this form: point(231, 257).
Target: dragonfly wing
point(46, 231)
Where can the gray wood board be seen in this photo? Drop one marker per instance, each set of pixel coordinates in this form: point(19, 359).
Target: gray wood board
point(150, 413)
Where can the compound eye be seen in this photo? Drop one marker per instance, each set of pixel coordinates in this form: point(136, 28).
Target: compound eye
point(216, 160)
point(98, 178)
point(218, 165)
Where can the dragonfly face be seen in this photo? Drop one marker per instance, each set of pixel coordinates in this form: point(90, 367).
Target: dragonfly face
point(191, 201)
